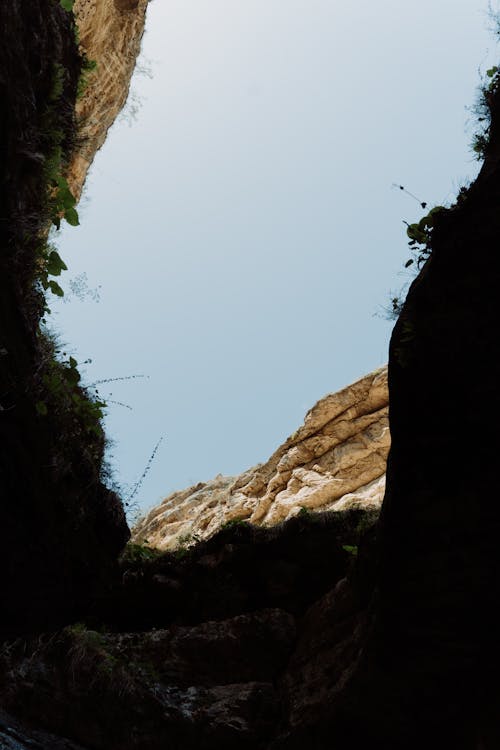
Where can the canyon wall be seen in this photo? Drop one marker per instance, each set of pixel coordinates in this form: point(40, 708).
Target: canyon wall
point(335, 461)
point(110, 33)
point(51, 462)
point(329, 630)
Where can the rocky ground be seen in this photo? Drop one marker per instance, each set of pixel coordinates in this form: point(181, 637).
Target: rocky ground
point(242, 639)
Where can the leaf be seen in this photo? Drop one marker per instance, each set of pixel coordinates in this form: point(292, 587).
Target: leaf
point(41, 408)
point(71, 216)
point(56, 289)
point(67, 4)
point(72, 362)
point(66, 198)
point(55, 264)
point(71, 375)
point(408, 263)
point(64, 195)
point(425, 222)
point(491, 72)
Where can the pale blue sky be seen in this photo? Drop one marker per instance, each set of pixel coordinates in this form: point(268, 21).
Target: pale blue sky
point(243, 231)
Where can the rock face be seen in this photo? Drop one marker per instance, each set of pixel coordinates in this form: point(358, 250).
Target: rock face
point(51, 443)
point(110, 33)
point(335, 460)
point(325, 630)
point(215, 647)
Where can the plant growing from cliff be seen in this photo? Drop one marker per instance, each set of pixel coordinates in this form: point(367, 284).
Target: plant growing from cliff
point(88, 67)
point(62, 202)
point(235, 523)
point(61, 381)
point(138, 553)
point(420, 237)
point(482, 109)
point(184, 543)
point(420, 243)
point(59, 200)
point(147, 468)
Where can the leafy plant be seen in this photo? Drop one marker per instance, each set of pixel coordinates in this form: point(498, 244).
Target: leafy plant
point(138, 553)
point(482, 109)
point(234, 523)
point(62, 202)
point(420, 243)
point(62, 384)
point(51, 264)
point(59, 200)
point(88, 67)
point(420, 235)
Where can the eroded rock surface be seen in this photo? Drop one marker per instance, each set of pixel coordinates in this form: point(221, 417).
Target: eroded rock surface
point(335, 460)
point(110, 33)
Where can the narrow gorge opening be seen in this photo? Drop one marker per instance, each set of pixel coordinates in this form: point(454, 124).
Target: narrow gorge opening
point(299, 629)
point(242, 232)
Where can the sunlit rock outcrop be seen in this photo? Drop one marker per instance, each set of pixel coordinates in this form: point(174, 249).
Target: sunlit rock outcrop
point(335, 460)
point(110, 33)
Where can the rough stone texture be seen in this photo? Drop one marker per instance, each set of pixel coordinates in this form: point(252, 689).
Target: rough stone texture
point(110, 33)
point(15, 736)
point(207, 686)
point(335, 460)
point(395, 647)
point(229, 657)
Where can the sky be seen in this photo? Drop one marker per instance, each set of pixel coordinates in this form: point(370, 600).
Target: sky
point(240, 227)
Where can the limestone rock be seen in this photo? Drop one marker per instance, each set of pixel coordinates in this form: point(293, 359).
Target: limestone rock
point(335, 460)
point(110, 33)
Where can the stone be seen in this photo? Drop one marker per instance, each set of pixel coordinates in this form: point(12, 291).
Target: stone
point(335, 461)
point(110, 33)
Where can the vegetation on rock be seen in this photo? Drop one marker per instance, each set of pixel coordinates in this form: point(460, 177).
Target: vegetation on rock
point(333, 629)
point(52, 442)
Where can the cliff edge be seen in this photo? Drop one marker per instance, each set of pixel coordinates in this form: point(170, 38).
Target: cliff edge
point(110, 33)
point(335, 461)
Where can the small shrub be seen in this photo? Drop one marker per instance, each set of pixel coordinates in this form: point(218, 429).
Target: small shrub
point(234, 523)
point(138, 553)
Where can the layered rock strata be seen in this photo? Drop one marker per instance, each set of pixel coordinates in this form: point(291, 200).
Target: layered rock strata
point(335, 460)
point(110, 33)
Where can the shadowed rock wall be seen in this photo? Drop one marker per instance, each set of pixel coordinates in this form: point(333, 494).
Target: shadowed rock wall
point(63, 529)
